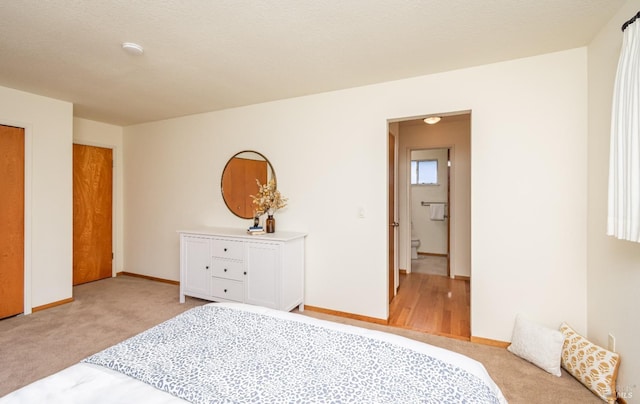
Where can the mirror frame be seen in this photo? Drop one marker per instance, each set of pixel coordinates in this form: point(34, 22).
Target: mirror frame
point(270, 170)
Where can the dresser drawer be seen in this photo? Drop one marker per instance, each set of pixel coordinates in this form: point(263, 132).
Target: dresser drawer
point(227, 249)
point(228, 289)
point(227, 269)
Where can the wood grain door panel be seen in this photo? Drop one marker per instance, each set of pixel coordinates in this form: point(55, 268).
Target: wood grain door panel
point(12, 221)
point(92, 213)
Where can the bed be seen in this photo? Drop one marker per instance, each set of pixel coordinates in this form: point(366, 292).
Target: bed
point(236, 353)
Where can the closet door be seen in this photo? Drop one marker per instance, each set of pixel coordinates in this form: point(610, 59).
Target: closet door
point(12, 221)
point(92, 213)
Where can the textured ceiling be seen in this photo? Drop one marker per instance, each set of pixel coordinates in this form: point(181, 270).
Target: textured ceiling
point(205, 55)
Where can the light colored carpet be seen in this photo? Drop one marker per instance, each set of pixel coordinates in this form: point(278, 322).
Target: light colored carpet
point(429, 264)
point(108, 311)
point(103, 313)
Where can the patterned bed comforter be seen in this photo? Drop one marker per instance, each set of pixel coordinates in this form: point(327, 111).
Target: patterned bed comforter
point(213, 354)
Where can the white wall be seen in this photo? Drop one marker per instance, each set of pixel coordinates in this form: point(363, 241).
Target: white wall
point(100, 134)
point(431, 233)
point(48, 205)
point(528, 195)
point(613, 265)
point(330, 154)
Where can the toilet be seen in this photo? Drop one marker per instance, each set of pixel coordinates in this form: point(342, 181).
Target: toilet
point(415, 243)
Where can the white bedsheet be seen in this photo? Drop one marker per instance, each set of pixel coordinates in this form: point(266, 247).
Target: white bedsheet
point(87, 383)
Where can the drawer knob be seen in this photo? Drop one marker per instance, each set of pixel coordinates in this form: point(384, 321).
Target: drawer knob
point(207, 267)
point(225, 249)
point(225, 270)
point(225, 291)
point(245, 272)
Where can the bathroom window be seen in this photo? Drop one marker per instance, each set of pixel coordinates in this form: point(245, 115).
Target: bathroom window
point(424, 172)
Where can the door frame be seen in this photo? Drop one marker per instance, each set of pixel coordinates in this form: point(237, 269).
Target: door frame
point(114, 198)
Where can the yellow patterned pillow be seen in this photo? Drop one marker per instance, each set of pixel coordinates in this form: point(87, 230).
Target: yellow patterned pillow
point(593, 366)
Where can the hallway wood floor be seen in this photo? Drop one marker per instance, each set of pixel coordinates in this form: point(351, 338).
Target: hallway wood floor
point(432, 304)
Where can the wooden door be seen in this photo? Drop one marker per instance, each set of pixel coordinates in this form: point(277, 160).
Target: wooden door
point(11, 221)
point(449, 210)
point(392, 216)
point(92, 213)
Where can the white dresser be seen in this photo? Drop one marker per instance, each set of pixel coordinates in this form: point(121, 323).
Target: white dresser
point(224, 264)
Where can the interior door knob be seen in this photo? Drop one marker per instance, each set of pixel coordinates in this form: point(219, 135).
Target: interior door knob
point(394, 224)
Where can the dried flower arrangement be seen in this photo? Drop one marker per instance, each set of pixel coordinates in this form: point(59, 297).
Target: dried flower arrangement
point(268, 199)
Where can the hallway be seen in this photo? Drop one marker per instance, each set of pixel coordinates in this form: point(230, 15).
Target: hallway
point(432, 304)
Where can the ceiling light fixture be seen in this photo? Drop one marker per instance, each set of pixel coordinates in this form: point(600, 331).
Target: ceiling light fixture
point(432, 120)
point(132, 48)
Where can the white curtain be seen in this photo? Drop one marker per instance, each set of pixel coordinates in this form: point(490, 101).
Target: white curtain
point(624, 160)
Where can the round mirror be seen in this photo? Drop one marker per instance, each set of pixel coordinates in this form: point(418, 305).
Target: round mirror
point(239, 181)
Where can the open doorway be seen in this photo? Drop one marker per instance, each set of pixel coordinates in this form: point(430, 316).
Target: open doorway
point(434, 303)
point(429, 213)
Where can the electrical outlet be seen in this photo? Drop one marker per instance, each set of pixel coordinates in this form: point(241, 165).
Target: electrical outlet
point(612, 343)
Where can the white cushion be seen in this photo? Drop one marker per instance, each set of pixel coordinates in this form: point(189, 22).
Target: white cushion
point(539, 345)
